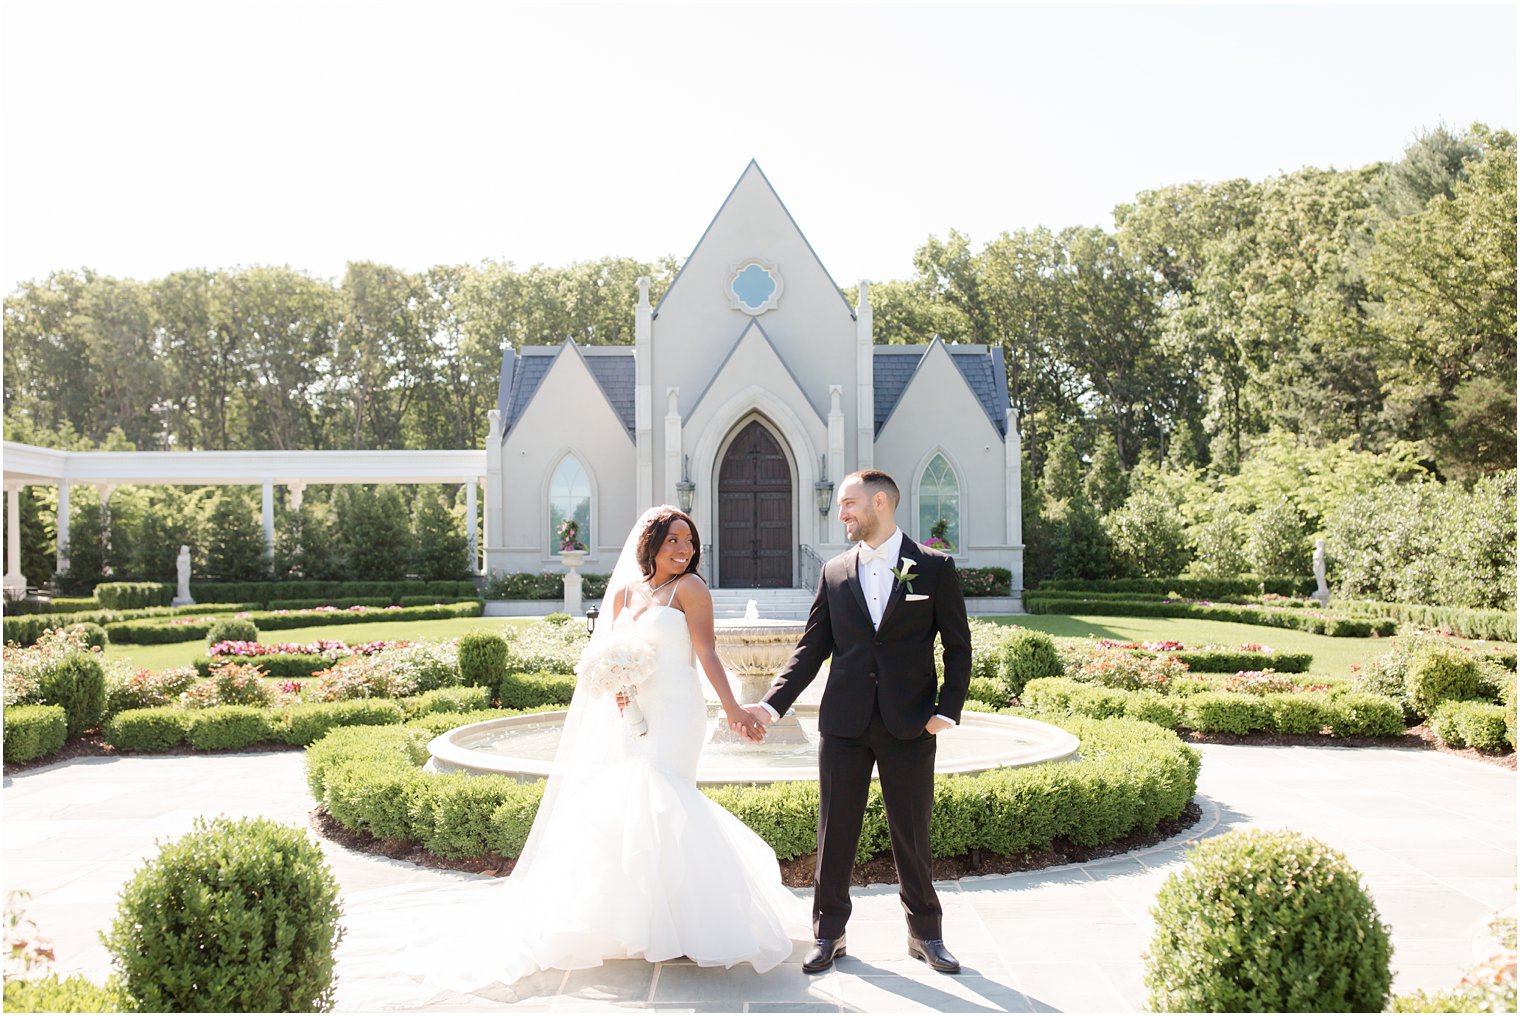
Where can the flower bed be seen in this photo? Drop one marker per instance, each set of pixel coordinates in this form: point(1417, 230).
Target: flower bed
point(189, 629)
point(1131, 777)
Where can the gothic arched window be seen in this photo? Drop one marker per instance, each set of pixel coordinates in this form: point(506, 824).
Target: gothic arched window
point(569, 499)
point(939, 505)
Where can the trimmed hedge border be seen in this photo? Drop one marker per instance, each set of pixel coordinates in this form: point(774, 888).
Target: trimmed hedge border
point(156, 632)
point(1344, 713)
point(1492, 625)
point(1130, 777)
point(130, 595)
point(272, 664)
point(27, 629)
point(1224, 661)
point(1338, 627)
point(1196, 588)
point(34, 731)
point(264, 592)
point(1468, 724)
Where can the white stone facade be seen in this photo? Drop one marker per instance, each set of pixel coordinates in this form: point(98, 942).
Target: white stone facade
point(755, 383)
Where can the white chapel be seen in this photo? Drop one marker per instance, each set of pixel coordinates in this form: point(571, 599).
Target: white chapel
point(751, 388)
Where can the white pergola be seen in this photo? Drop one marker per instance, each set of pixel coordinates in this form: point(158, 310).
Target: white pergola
point(30, 466)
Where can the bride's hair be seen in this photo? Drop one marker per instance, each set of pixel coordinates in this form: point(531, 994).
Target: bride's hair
point(653, 536)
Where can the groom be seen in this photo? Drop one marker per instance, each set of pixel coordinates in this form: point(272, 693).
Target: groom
point(878, 608)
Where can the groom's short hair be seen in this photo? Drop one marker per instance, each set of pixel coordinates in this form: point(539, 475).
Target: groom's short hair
point(874, 480)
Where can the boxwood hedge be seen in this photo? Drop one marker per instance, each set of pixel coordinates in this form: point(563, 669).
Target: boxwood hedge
point(1130, 776)
point(1344, 713)
point(154, 631)
point(34, 731)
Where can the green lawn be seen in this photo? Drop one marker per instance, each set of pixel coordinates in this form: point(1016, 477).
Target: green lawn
point(180, 654)
point(1332, 657)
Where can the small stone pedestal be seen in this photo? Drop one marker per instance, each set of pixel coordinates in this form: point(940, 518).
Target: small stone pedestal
point(572, 560)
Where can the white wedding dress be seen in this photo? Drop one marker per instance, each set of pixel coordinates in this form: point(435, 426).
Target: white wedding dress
point(636, 863)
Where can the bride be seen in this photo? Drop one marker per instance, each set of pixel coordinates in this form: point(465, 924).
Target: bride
point(626, 858)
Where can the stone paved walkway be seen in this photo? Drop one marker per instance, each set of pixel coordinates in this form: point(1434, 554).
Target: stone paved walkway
point(1434, 835)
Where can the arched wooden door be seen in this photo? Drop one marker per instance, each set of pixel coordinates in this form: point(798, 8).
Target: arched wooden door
point(754, 513)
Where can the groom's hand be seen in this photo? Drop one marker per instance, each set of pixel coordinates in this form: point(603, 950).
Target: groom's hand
point(761, 715)
point(935, 725)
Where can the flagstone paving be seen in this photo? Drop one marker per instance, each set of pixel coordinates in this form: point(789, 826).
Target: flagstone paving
point(1434, 836)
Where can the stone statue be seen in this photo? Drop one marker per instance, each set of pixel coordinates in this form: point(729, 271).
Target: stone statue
point(182, 569)
point(1322, 592)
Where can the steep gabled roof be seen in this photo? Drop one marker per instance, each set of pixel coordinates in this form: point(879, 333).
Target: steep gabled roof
point(612, 367)
point(734, 348)
point(732, 191)
point(981, 367)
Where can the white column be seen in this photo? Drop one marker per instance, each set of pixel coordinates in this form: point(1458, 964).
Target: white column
point(865, 383)
point(472, 552)
point(673, 444)
point(296, 489)
point(496, 520)
point(63, 525)
point(643, 395)
point(268, 511)
point(1013, 496)
point(836, 457)
point(106, 490)
point(15, 582)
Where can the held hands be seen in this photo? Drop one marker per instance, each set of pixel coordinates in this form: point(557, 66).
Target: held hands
point(935, 725)
point(742, 722)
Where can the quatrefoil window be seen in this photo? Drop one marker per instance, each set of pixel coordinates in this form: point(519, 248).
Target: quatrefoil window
point(754, 286)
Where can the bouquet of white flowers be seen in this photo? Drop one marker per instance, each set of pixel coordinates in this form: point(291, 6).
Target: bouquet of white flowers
point(623, 663)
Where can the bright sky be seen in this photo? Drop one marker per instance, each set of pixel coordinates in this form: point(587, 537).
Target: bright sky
point(143, 138)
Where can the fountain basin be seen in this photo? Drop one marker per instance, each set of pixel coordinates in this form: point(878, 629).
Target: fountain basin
point(523, 747)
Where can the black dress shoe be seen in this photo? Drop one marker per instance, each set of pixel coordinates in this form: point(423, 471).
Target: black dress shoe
point(821, 956)
point(933, 952)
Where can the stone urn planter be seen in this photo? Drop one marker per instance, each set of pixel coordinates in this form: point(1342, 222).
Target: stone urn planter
point(572, 560)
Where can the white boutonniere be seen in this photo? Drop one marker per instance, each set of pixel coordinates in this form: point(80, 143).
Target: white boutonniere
point(906, 574)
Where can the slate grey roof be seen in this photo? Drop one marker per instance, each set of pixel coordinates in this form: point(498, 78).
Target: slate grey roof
point(980, 366)
point(611, 366)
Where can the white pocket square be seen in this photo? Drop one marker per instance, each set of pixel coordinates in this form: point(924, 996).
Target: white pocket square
point(917, 596)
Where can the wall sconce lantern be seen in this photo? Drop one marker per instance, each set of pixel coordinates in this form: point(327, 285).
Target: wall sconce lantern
point(686, 491)
point(823, 490)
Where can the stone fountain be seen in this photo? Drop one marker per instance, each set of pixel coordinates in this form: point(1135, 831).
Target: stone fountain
point(753, 650)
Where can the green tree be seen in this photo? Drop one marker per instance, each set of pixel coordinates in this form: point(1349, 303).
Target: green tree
point(1062, 478)
point(439, 545)
point(1277, 540)
point(375, 531)
point(1446, 277)
point(307, 543)
point(233, 540)
point(1147, 535)
point(1105, 485)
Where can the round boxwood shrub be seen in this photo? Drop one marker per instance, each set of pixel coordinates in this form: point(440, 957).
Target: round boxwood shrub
point(1262, 921)
point(33, 731)
point(241, 915)
point(77, 682)
point(155, 729)
point(1479, 725)
point(227, 728)
point(1441, 675)
point(232, 629)
point(93, 634)
point(482, 659)
point(1027, 655)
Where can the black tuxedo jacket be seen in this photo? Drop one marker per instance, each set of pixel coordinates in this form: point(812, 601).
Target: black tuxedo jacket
point(893, 665)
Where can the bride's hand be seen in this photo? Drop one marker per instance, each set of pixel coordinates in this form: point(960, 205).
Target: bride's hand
point(741, 723)
point(622, 701)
